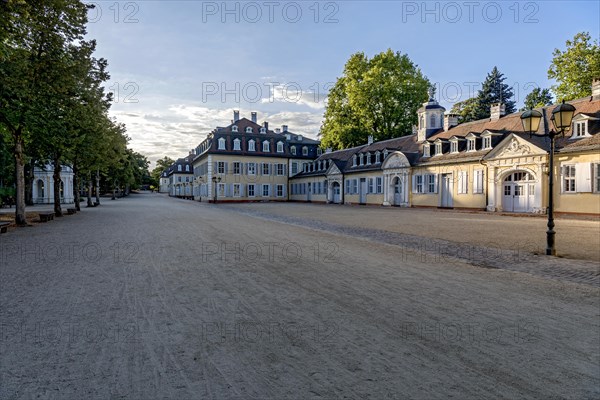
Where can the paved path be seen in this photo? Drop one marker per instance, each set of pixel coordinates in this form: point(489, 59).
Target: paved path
point(150, 297)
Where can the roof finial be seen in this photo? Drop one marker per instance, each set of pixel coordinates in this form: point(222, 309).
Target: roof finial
point(431, 92)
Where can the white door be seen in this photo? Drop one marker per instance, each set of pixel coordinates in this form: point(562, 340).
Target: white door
point(518, 192)
point(446, 191)
point(397, 191)
point(363, 191)
point(309, 192)
point(336, 193)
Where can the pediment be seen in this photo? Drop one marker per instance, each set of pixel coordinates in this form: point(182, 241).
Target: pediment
point(514, 146)
point(333, 170)
point(395, 160)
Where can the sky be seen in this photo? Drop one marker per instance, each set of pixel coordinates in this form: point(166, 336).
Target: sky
point(179, 68)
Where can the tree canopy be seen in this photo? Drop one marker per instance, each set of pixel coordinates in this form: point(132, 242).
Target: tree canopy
point(538, 97)
point(575, 67)
point(377, 96)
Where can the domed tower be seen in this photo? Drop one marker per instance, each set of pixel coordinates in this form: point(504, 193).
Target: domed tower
point(431, 117)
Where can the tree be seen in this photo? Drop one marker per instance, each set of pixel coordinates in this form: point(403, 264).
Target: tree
point(464, 109)
point(575, 68)
point(161, 165)
point(493, 90)
point(378, 96)
point(537, 98)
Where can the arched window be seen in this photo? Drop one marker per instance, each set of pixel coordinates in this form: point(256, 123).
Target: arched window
point(234, 128)
point(293, 150)
point(265, 146)
point(304, 151)
point(251, 145)
point(280, 147)
point(236, 144)
point(263, 130)
point(179, 168)
point(432, 121)
point(249, 129)
point(187, 168)
point(221, 143)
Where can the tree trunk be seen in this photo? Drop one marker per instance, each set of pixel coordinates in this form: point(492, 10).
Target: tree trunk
point(20, 217)
point(98, 187)
point(29, 182)
point(57, 182)
point(76, 196)
point(89, 195)
point(114, 189)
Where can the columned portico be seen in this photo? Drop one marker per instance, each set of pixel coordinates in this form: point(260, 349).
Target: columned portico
point(396, 173)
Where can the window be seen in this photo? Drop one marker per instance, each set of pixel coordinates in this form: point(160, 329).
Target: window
point(579, 129)
point(279, 190)
point(237, 166)
point(280, 169)
point(379, 184)
point(304, 150)
point(377, 157)
point(354, 160)
point(478, 181)
point(569, 179)
point(293, 150)
point(249, 129)
point(438, 149)
point(280, 147)
point(266, 189)
point(251, 190)
point(178, 179)
point(431, 183)
point(251, 145)
point(220, 167)
point(221, 191)
point(266, 169)
point(368, 155)
point(179, 168)
point(361, 159)
point(265, 146)
point(355, 186)
point(263, 130)
point(251, 168)
point(596, 174)
point(471, 145)
point(487, 142)
point(385, 153)
point(236, 190)
point(187, 168)
point(236, 144)
point(418, 184)
point(294, 168)
point(370, 187)
point(454, 146)
point(432, 121)
point(426, 150)
point(463, 183)
point(234, 128)
point(319, 151)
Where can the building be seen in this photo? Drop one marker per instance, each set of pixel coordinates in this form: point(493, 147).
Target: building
point(490, 164)
point(245, 161)
point(43, 185)
point(179, 177)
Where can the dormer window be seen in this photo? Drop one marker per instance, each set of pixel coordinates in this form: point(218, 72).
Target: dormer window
point(265, 146)
point(368, 158)
point(236, 144)
point(179, 168)
point(487, 142)
point(377, 157)
point(251, 145)
point(426, 150)
point(471, 145)
point(454, 146)
point(361, 159)
point(263, 130)
point(234, 128)
point(385, 153)
point(280, 147)
point(221, 143)
point(293, 150)
point(187, 168)
point(579, 129)
point(249, 129)
point(438, 149)
point(354, 160)
point(319, 151)
point(304, 151)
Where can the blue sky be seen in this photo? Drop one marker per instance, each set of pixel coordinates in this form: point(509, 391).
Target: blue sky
point(181, 67)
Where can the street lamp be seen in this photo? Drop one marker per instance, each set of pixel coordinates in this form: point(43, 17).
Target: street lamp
point(561, 119)
point(216, 179)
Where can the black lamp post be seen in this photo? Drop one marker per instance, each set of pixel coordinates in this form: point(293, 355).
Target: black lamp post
point(216, 179)
point(561, 119)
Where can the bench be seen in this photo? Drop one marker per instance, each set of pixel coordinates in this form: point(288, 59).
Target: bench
point(45, 217)
point(4, 226)
point(71, 211)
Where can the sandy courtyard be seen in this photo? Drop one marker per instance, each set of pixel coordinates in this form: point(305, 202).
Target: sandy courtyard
point(151, 297)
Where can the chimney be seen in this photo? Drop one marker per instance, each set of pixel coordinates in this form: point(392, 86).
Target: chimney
point(236, 116)
point(253, 117)
point(284, 128)
point(266, 126)
point(450, 120)
point(370, 139)
point(596, 88)
point(328, 150)
point(497, 110)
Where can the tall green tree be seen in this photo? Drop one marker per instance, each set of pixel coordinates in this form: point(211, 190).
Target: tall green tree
point(537, 98)
point(161, 165)
point(465, 109)
point(493, 90)
point(575, 67)
point(377, 96)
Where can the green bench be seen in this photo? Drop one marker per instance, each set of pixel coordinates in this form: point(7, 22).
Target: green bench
point(45, 217)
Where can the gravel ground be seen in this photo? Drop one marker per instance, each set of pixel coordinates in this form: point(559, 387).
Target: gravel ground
point(150, 297)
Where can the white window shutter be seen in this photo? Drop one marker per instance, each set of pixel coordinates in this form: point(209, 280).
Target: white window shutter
point(284, 190)
point(583, 177)
point(436, 182)
point(414, 184)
